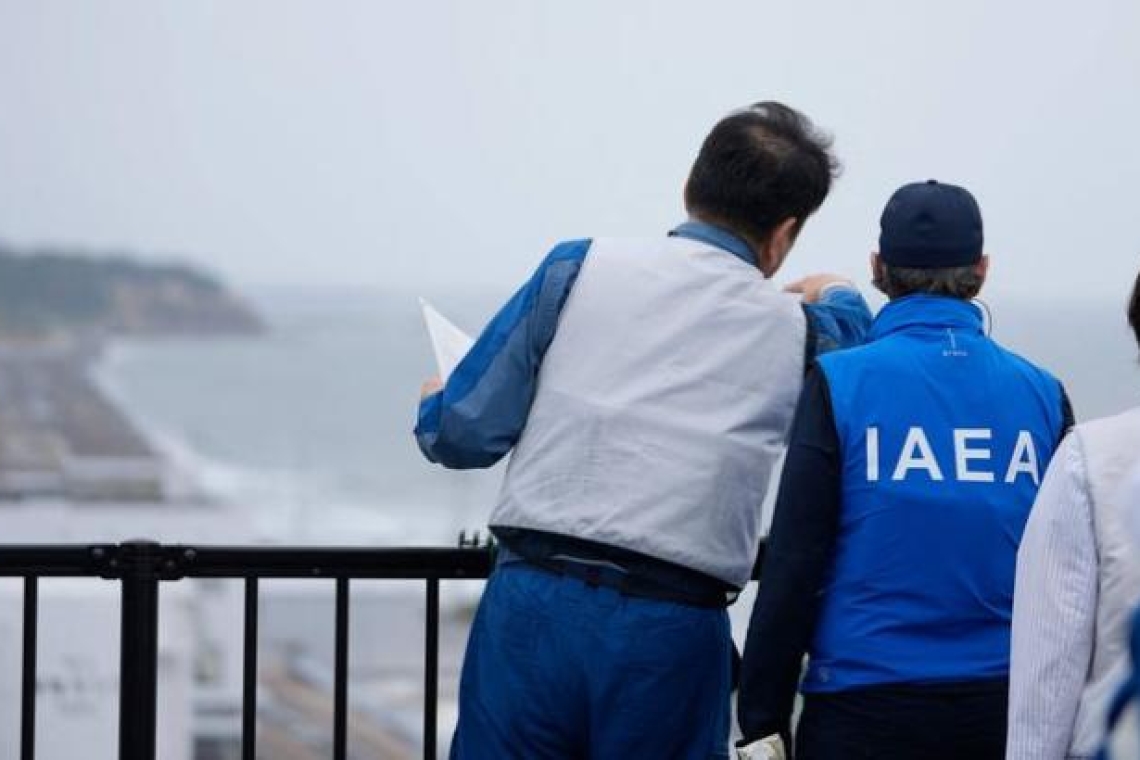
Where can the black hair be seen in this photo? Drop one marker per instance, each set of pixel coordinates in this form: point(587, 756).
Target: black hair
point(1134, 309)
point(760, 166)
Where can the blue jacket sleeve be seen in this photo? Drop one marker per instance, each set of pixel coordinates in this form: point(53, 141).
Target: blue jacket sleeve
point(841, 319)
point(797, 560)
point(479, 414)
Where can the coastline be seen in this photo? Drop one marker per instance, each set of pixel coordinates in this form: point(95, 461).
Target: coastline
point(386, 681)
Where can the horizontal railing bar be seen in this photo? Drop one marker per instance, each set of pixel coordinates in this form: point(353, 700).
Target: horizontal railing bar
point(61, 560)
point(315, 562)
point(181, 561)
point(105, 560)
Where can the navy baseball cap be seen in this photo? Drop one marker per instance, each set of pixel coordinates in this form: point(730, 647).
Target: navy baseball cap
point(931, 225)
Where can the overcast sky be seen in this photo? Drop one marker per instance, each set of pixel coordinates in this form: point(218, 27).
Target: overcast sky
point(448, 143)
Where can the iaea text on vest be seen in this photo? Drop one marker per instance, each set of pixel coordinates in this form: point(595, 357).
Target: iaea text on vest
point(973, 457)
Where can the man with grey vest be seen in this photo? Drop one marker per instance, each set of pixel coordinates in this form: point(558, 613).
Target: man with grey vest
point(911, 469)
point(645, 387)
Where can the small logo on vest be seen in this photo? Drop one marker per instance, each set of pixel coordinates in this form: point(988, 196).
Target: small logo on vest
point(953, 350)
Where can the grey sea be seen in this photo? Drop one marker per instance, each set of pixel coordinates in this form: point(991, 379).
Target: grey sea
point(309, 427)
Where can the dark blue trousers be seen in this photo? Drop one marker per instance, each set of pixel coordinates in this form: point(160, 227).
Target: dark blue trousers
point(558, 669)
point(943, 722)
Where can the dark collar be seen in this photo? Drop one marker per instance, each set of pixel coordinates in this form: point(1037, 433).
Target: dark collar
point(715, 236)
point(927, 312)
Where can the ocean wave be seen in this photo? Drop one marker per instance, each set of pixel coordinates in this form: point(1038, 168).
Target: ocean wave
point(285, 505)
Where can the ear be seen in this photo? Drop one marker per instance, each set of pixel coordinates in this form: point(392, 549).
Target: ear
point(771, 255)
point(983, 267)
point(877, 273)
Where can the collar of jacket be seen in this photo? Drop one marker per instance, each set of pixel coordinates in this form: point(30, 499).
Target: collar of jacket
point(715, 236)
point(927, 312)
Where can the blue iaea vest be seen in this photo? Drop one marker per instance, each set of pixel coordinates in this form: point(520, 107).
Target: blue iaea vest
point(944, 437)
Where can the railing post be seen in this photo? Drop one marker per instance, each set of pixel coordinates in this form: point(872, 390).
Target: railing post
point(249, 673)
point(431, 669)
point(340, 673)
point(28, 685)
point(138, 562)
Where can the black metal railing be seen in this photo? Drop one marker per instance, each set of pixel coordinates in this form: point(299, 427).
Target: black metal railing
point(141, 566)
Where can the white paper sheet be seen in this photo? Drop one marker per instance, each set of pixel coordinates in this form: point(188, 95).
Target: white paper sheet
point(449, 343)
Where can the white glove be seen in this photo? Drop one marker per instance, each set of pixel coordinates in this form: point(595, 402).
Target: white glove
point(768, 748)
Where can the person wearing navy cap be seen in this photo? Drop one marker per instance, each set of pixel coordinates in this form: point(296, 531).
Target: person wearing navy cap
point(912, 465)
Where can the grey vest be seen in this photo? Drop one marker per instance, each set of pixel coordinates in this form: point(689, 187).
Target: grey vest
point(662, 406)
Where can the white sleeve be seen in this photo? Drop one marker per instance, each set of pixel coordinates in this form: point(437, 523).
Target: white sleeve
point(1054, 612)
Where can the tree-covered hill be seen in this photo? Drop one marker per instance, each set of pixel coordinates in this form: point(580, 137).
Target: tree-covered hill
point(52, 293)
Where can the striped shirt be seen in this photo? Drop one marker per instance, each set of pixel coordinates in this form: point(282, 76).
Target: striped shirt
point(1054, 613)
point(1078, 582)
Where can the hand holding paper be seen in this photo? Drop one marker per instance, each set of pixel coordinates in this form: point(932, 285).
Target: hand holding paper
point(430, 386)
point(449, 343)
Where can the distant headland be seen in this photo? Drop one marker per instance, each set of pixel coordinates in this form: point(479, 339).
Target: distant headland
point(61, 437)
point(53, 295)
